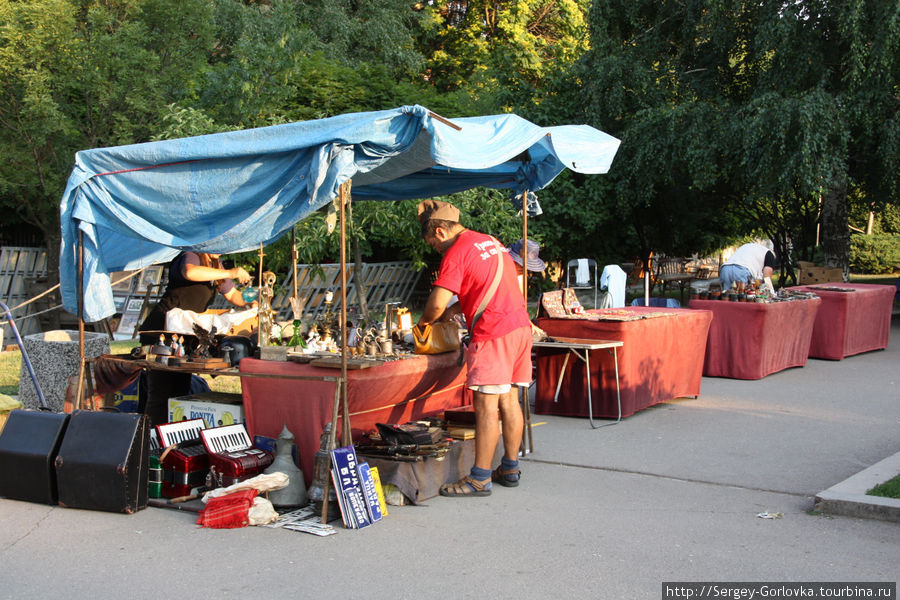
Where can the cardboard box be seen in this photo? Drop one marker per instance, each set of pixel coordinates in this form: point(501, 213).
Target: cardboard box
point(215, 408)
point(808, 273)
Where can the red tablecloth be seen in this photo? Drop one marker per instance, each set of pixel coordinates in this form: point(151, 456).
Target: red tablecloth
point(850, 322)
point(394, 392)
point(749, 340)
point(662, 359)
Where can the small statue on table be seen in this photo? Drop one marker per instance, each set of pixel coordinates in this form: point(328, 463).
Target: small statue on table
point(267, 327)
point(205, 341)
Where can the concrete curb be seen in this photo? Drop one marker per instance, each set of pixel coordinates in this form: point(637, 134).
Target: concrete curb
point(848, 498)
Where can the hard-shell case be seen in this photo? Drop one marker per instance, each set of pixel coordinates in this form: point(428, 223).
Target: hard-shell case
point(28, 447)
point(103, 462)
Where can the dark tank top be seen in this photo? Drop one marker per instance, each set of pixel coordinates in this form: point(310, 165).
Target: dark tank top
point(180, 293)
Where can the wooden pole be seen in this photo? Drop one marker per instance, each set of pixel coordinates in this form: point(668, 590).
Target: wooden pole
point(340, 391)
point(331, 437)
point(444, 120)
point(79, 389)
point(344, 192)
point(294, 259)
point(525, 246)
point(261, 340)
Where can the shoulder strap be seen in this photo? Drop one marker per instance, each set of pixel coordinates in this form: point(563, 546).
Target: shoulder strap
point(493, 287)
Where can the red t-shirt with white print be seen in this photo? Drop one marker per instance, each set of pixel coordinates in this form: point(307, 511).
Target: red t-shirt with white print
point(468, 269)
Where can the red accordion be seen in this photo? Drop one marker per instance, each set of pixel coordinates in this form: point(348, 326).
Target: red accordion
point(232, 457)
point(184, 461)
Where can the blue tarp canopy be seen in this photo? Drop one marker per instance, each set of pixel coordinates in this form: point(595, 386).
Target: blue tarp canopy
point(228, 192)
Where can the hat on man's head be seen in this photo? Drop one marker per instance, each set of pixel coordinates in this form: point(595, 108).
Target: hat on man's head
point(534, 261)
point(435, 209)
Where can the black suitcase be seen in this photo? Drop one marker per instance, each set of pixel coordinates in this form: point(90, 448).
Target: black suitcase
point(103, 462)
point(28, 447)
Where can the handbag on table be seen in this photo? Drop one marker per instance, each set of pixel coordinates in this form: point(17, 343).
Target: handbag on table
point(436, 338)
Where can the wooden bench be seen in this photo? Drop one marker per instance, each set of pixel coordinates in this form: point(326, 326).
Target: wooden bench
point(671, 270)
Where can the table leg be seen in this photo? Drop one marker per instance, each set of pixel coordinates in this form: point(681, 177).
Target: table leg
point(526, 448)
point(618, 393)
point(587, 367)
point(559, 379)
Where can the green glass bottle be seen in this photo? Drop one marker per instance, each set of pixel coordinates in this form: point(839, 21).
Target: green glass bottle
point(297, 337)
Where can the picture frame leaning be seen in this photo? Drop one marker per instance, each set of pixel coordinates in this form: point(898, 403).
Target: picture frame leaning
point(120, 282)
point(151, 276)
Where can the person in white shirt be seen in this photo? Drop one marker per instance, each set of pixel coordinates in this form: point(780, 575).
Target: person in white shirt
point(750, 261)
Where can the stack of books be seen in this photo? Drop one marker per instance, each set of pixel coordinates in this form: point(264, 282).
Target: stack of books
point(460, 422)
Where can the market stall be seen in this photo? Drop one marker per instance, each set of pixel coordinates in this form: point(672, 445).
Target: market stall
point(749, 340)
point(853, 318)
point(131, 206)
point(661, 358)
point(128, 207)
point(395, 391)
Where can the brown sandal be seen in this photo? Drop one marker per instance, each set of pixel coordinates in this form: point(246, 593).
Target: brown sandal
point(466, 487)
point(506, 477)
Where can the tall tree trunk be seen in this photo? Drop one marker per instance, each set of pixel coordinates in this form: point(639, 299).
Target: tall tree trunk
point(358, 278)
point(361, 288)
point(835, 230)
point(52, 320)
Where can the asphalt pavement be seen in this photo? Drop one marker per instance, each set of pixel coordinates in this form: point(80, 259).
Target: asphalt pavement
point(672, 493)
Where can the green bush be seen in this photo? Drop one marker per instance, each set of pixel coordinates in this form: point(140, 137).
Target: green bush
point(874, 253)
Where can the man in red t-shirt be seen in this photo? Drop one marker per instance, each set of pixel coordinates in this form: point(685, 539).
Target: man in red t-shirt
point(499, 355)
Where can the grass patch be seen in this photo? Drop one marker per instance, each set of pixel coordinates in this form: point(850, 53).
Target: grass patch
point(888, 489)
point(10, 363)
point(885, 279)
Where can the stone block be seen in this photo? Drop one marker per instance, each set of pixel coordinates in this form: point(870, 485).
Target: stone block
point(54, 357)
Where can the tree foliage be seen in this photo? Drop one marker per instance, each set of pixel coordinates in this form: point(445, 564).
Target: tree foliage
point(734, 116)
point(77, 75)
point(756, 110)
point(502, 50)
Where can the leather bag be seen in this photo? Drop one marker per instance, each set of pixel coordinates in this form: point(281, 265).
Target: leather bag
point(436, 338)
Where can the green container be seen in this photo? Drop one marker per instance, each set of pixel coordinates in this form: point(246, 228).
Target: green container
point(155, 478)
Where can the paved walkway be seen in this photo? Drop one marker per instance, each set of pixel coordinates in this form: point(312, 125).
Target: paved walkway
point(669, 494)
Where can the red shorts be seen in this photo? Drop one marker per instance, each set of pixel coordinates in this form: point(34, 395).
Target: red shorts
point(500, 361)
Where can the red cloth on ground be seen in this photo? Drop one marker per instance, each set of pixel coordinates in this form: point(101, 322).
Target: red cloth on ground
point(468, 269)
point(662, 359)
point(228, 511)
point(850, 322)
point(749, 340)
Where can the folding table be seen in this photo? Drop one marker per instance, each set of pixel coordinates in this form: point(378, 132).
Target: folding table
point(576, 346)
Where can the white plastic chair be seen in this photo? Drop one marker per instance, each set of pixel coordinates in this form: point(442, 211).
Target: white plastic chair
point(583, 271)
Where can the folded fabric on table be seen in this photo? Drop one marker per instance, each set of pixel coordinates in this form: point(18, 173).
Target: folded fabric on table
point(182, 321)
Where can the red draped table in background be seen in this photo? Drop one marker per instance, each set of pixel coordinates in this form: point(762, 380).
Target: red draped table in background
point(393, 392)
point(749, 340)
point(850, 322)
point(661, 359)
